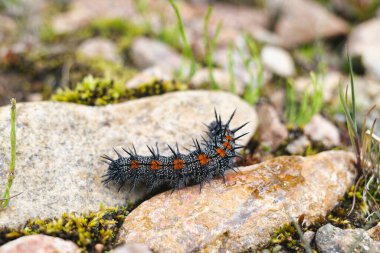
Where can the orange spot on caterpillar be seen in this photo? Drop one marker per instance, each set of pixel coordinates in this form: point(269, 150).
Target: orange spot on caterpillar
point(134, 164)
point(229, 138)
point(178, 164)
point(203, 159)
point(221, 152)
point(227, 145)
point(155, 165)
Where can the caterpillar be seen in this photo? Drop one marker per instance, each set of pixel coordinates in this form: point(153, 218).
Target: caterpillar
point(211, 157)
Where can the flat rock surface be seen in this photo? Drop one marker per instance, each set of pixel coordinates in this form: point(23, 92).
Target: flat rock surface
point(242, 214)
point(58, 165)
point(332, 239)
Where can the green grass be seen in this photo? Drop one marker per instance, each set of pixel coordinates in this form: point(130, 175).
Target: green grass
point(231, 68)
point(253, 91)
point(86, 229)
point(7, 194)
point(210, 45)
point(300, 113)
point(366, 146)
point(187, 48)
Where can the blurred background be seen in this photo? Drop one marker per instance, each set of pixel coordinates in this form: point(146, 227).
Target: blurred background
point(48, 48)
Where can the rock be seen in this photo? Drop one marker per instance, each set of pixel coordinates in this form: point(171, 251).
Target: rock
point(243, 213)
point(278, 61)
point(34, 97)
point(7, 28)
point(298, 146)
point(374, 232)
point(367, 92)
point(58, 165)
point(240, 19)
point(333, 239)
point(366, 96)
point(321, 130)
point(364, 41)
point(304, 21)
point(148, 75)
point(99, 48)
point(277, 98)
point(271, 131)
point(146, 52)
point(71, 21)
point(201, 79)
point(99, 248)
point(40, 244)
point(132, 248)
point(13, 86)
point(308, 237)
point(82, 12)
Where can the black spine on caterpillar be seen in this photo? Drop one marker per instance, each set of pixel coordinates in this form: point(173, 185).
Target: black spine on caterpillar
point(210, 158)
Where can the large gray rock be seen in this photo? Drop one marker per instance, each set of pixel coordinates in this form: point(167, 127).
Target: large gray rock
point(58, 165)
point(202, 79)
point(321, 130)
point(146, 52)
point(242, 214)
point(303, 21)
point(272, 133)
point(332, 239)
point(278, 61)
point(148, 75)
point(99, 48)
point(82, 12)
point(364, 42)
point(40, 244)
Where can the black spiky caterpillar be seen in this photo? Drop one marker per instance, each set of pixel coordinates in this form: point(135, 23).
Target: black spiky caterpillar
point(210, 159)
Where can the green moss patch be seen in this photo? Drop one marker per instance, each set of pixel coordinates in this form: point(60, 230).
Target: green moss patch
point(102, 91)
point(86, 230)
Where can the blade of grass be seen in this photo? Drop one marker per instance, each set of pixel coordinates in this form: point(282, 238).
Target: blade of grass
point(254, 87)
point(210, 46)
point(350, 123)
point(187, 49)
point(231, 68)
point(366, 141)
point(290, 110)
point(8, 186)
point(352, 92)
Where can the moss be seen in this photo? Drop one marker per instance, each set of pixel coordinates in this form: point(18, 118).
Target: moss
point(102, 91)
point(156, 87)
point(116, 28)
point(92, 91)
point(86, 230)
point(365, 212)
point(47, 33)
point(286, 238)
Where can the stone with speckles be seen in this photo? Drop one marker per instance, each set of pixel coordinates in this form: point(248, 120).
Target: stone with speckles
point(58, 164)
point(242, 214)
